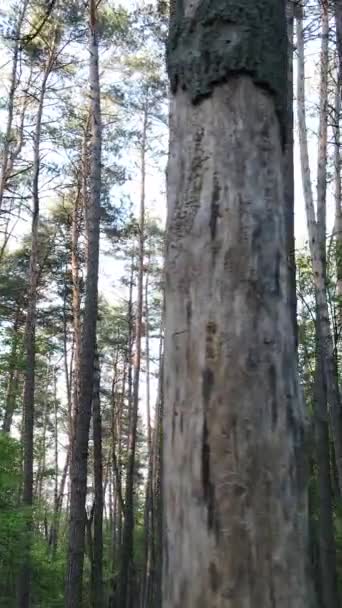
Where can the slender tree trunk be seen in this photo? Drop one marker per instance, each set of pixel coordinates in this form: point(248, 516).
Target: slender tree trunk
point(116, 441)
point(118, 406)
point(8, 139)
point(234, 475)
point(127, 565)
point(42, 449)
point(148, 510)
point(73, 590)
point(338, 19)
point(24, 581)
point(76, 306)
point(12, 385)
point(54, 532)
point(338, 200)
point(52, 535)
point(323, 134)
point(157, 554)
point(289, 173)
point(317, 257)
point(97, 570)
point(327, 548)
point(67, 368)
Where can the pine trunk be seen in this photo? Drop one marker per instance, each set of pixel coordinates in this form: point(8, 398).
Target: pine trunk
point(24, 582)
point(97, 566)
point(79, 463)
point(327, 548)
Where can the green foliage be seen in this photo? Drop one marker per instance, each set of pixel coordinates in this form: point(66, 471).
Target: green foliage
point(48, 575)
point(12, 518)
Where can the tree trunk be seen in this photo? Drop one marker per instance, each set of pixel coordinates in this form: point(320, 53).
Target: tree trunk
point(41, 468)
point(148, 508)
point(338, 201)
point(117, 415)
point(8, 139)
point(127, 565)
point(12, 385)
point(53, 540)
point(317, 258)
point(157, 555)
point(73, 590)
point(76, 307)
point(338, 20)
point(289, 174)
point(323, 133)
point(30, 349)
point(234, 476)
point(97, 569)
point(327, 548)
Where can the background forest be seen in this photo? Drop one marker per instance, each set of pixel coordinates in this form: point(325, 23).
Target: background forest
point(68, 173)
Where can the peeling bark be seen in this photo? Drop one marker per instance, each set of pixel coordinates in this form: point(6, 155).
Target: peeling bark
point(234, 485)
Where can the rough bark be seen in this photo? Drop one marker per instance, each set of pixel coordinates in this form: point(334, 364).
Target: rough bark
point(234, 485)
point(97, 565)
point(76, 541)
point(327, 548)
point(318, 266)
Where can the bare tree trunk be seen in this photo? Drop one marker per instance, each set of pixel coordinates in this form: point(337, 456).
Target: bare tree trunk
point(12, 385)
point(30, 348)
point(127, 565)
point(289, 173)
point(234, 474)
point(8, 139)
point(148, 509)
point(73, 590)
point(67, 368)
point(323, 134)
point(97, 567)
point(338, 200)
point(338, 19)
point(52, 534)
point(117, 414)
point(317, 257)
point(53, 539)
point(327, 548)
point(157, 554)
point(76, 306)
point(42, 450)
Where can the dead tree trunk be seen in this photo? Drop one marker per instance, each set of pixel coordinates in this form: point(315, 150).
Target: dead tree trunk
point(234, 485)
